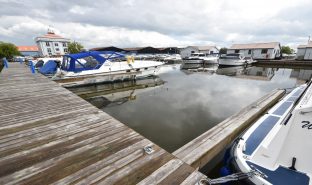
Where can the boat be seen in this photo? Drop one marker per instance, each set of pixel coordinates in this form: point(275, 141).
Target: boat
point(235, 59)
point(211, 59)
point(277, 148)
point(102, 66)
point(195, 58)
point(174, 57)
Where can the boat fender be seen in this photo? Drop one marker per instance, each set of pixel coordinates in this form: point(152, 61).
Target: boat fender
point(293, 163)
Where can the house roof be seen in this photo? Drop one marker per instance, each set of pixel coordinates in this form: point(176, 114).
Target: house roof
point(309, 45)
point(27, 48)
point(205, 47)
point(302, 46)
point(201, 48)
point(255, 45)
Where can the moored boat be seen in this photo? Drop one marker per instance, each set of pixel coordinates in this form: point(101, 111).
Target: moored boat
point(235, 59)
point(277, 146)
point(95, 67)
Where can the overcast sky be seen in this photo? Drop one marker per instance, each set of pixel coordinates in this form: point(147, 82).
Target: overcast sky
point(130, 23)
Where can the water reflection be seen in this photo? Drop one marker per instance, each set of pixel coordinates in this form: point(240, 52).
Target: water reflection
point(173, 113)
point(255, 73)
point(111, 94)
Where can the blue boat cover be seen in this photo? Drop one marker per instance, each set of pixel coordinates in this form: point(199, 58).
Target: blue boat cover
point(49, 67)
point(75, 65)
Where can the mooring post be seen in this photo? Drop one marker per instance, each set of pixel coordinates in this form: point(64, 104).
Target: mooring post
point(5, 62)
point(32, 67)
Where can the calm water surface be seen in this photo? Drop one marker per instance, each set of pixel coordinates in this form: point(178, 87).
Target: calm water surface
point(181, 104)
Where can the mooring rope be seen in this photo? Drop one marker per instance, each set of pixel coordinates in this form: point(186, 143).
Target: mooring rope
point(228, 178)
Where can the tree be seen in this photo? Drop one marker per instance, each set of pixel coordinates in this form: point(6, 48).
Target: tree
point(287, 50)
point(223, 51)
point(8, 50)
point(75, 47)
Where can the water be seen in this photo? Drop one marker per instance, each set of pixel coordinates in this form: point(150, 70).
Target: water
point(179, 105)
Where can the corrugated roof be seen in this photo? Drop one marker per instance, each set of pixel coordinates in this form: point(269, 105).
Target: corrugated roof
point(27, 48)
point(255, 45)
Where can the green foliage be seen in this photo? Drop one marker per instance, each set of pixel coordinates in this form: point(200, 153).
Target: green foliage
point(223, 51)
point(287, 50)
point(8, 50)
point(75, 47)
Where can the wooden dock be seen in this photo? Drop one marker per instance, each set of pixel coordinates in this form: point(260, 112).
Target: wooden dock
point(48, 135)
point(285, 63)
point(205, 147)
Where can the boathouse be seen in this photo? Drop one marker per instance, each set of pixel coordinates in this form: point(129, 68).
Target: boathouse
point(139, 50)
point(51, 44)
point(187, 51)
point(269, 50)
point(28, 50)
point(304, 52)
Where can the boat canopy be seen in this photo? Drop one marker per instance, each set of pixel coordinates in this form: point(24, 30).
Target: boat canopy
point(88, 60)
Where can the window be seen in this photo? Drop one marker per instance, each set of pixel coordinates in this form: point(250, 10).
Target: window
point(64, 44)
point(249, 52)
point(49, 50)
point(50, 54)
point(56, 44)
point(65, 50)
point(57, 49)
point(211, 52)
point(264, 51)
point(47, 43)
point(237, 51)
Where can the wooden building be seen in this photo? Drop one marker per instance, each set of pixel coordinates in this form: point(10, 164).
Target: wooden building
point(269, 50)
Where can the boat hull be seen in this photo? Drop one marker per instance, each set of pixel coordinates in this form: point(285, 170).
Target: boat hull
point(251, 150)
point(193, 61)
point(232, 62)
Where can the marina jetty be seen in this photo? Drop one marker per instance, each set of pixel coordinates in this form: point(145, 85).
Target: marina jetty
point(285, 63)
point(48, 135)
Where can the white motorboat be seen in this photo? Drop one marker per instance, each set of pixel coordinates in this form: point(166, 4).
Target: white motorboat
point(235, 59)
point(277, 148)
point(95, 67)
point(195, 58)
point(211, 59)
point(174, 57)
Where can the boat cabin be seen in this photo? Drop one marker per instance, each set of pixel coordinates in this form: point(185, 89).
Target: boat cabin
point(88, 60)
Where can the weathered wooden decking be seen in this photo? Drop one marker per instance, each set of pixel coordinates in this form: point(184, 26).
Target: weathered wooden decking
point(48, 135)
point(205, 147)
point(286, 63)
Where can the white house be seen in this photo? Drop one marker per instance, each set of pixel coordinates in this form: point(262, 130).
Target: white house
point(51, 44)
point(270, 50)
point(304, 52)
point(186, 52)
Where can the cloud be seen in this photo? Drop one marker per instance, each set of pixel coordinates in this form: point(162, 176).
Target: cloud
point(158, 23)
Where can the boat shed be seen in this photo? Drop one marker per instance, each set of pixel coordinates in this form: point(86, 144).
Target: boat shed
point(109, 48)
point(269, 50)
point(187, 51)
point(139, 50)
point(304, 52)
